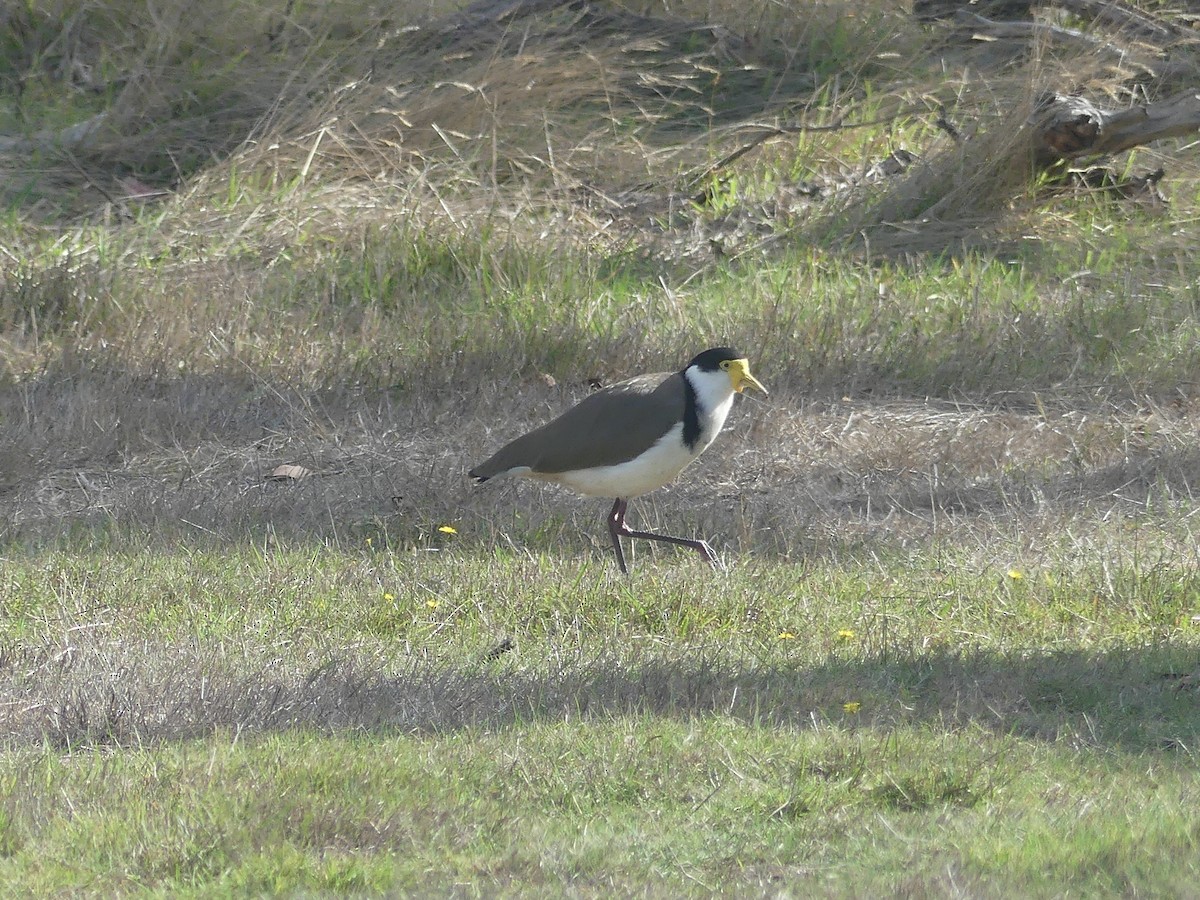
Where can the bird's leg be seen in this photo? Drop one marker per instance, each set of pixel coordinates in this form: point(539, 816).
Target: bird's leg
point(617, 527)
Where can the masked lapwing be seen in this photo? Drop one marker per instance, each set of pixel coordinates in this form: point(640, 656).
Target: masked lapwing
point(632, 437)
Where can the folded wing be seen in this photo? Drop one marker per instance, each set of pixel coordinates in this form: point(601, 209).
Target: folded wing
point(605, 428)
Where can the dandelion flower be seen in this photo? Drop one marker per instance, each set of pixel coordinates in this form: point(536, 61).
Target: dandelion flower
point(389, 597)
point(447, 529)
point(846, 634)
point(852, 707)
point(1016, 574)
point(433, 604)
point(786, 636)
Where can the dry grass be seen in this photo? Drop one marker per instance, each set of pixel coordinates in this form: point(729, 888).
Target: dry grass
point(796, 481)
point(598, 93)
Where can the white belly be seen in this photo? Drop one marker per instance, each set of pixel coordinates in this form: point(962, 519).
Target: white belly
point(654, 468)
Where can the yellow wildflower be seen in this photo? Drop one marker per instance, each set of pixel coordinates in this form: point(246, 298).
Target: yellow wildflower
point(846, 634)
point(447, 529)
point(1016, 574)
point(786, 636)
point(852, 707)
point(433, 604)
point(389, 597)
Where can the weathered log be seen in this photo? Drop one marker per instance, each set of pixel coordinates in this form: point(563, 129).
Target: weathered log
point(1024, 33)
point(932, 10)
point(1071, 128)
point(1126, 19)
point(1112, 13)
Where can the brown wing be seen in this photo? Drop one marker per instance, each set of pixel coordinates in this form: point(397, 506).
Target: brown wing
point(605, 428)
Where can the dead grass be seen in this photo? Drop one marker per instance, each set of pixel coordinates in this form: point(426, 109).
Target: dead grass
point(563, 95)
point(176, 86)
point(187, 460)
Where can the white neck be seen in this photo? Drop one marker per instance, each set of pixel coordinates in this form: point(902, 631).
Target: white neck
point(714, 396)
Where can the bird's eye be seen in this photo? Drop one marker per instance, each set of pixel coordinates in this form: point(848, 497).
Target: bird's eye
point(724, 364)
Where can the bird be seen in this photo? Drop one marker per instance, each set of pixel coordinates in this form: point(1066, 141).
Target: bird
point(627, 439)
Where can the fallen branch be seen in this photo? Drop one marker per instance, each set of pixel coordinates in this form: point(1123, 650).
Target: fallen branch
point(1069, 128)
point(1126, 19)
point(990, 29)
point(985, 29)
point(50, 139)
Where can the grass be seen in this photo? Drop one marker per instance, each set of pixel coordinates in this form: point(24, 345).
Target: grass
point(956, 646)
point(347, 730)
point(475, 810)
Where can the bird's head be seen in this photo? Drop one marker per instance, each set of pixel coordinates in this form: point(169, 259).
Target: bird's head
point(732, 363)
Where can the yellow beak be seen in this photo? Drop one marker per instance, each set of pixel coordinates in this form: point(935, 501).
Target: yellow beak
point(739, 374)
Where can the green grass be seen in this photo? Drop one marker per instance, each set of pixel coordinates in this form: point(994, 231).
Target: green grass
point(633, 803)
point(877, 729)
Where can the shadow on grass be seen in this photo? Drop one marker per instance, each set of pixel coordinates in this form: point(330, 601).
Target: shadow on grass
point(1131, 700)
